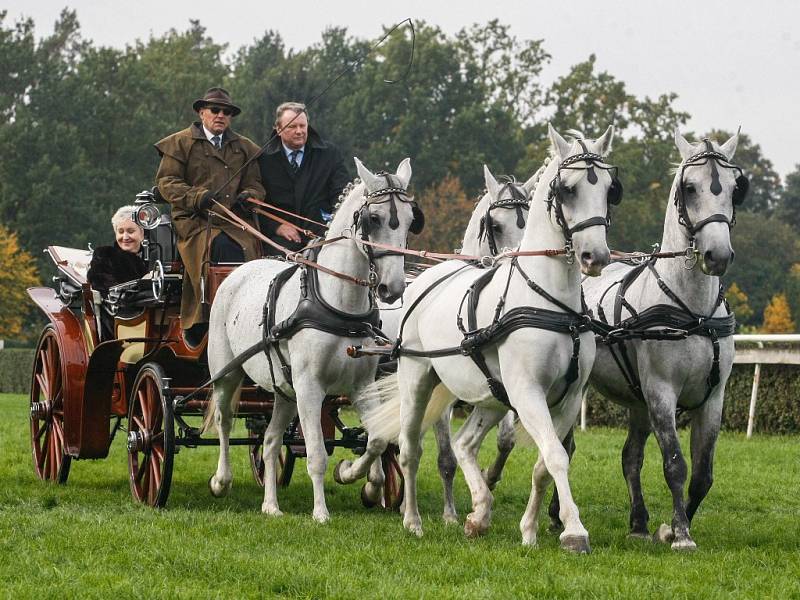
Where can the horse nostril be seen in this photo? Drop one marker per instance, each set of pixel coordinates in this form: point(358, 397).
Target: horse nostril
point(586, 258)
point(708, 256)
point(733, 255)
point(383, 290)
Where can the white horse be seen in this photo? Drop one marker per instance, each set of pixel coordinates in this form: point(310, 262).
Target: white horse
point(543, 365)
point(663, 376)
point(307, 363)
point(497, 223)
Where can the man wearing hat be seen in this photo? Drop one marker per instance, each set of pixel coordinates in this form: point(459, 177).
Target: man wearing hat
point(195, 165)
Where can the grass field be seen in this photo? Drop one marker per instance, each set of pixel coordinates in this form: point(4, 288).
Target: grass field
point(88, 539)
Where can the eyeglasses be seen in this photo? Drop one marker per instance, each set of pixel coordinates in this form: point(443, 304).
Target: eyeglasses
point(225, 111)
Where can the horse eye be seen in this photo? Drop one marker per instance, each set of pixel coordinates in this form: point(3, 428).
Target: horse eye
point(497, 228)
point(374, 219)
point(569, 190)
point(689, 188)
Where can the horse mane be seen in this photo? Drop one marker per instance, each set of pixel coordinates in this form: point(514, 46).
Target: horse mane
point(344, 197)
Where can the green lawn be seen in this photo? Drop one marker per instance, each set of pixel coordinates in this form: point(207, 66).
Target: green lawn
point(88, 539)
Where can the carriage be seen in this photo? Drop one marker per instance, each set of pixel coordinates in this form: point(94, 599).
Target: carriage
point(120, 363)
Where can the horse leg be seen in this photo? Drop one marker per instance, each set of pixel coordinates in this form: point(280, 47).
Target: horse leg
point(283, 412)
point(662, 418)
point(466, 446)
point(554, 508)
point(705, 429)
point(505, 444)
point(447, 464)
point(632, 460)
point(531, 406)
point(417, 381)
point(309, 408)
point(529, 525)
point(225, 396)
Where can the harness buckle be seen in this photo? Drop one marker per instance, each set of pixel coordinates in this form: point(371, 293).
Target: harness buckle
point(569, 253)
point(692, 254)
point(373, 279)
point(488, 261)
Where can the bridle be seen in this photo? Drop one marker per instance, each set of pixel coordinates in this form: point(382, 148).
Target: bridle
point(716, 159)
point(557, 189)
point(518, 199)
point(393, 192)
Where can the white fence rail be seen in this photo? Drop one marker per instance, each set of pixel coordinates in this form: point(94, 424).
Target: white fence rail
point(753, 350)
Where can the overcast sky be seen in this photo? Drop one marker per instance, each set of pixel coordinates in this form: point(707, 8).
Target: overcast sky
point(731, 63)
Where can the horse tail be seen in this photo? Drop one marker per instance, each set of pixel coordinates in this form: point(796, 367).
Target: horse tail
point(208, 416)
point(383, 419)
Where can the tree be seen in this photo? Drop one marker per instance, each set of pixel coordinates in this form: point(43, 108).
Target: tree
point(447, 212)
point(790, 199)
point(738, 302)
point(17, 272)
point(764, 194)
point(777, 316)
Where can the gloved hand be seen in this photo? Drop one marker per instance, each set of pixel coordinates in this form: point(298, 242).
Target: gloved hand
point(206, 202)
point(242, 205)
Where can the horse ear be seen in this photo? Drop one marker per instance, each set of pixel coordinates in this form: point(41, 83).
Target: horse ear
point(729, 147)
point(404, 172)
point(491, 183)
point(684, 147)
point(370, 181)
point(604, 141)
point(560, 145)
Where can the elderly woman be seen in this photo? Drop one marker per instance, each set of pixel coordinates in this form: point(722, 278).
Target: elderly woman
point(121, 262)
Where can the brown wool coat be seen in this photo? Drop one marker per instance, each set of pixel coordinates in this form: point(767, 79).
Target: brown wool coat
point(190, 167)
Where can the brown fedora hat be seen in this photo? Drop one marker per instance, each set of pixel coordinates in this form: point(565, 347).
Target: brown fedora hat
point(218, 96)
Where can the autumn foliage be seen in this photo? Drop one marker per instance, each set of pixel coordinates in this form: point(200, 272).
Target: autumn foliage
point(17, 272)
point(777, 316)
point(447, 212)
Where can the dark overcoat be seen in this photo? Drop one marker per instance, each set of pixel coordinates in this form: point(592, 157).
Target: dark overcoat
point(314, 188)
point(190, 167)
point(112, 265)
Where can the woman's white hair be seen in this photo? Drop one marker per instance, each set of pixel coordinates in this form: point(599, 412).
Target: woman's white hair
point(123, 213)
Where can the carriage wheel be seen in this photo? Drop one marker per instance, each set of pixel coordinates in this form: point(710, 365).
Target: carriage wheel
point(286, 460)
point(50, 459)
point(393, 483)
point(151, 438)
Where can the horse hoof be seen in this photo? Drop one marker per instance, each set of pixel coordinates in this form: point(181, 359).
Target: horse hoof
point(414, 527)
point(639, 535)
point(365, 498)
point(271, 511)
point(685, 545)
point(555, 527)
point(321, 518)
point(663, 534)
point(473, 529)
point(577, 544)
point(450, 518)
point(218, 491)
point(337, 471)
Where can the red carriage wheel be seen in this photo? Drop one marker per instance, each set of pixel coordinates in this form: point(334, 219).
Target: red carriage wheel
point(48, 389)
point(286, 460)
point(151, 437)
point(393, 482)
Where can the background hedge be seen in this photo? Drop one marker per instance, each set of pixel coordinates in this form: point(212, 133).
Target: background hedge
point(15, 369)
point(778, 409)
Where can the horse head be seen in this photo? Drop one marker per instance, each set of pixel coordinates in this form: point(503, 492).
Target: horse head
point(581, 187)
point(706, 190)
point(385, 215)
point(499, 218)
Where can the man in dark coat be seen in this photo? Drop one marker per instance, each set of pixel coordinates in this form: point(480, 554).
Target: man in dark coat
point(195, 163)
point(301, 173)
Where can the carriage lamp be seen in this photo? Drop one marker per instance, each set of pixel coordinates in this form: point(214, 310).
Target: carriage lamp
point(147, 216)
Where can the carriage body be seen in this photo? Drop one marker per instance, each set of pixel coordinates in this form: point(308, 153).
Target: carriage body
point(86, 382)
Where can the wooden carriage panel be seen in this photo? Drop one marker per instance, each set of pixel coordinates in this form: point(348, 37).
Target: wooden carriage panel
point(216, 275)
point(74, 360)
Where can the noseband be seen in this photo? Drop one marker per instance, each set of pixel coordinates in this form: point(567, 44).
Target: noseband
point(717, 159)
point(555, 194)
point(518, 198)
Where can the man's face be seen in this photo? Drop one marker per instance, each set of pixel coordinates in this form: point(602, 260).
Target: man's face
point(295, 134)
point(216, 123)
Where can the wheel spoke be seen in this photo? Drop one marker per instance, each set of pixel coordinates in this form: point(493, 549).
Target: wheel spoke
point(145, 404)
point(43, 451)
point(156, 465)
point(159, 453)
point(139, 423)
point(43, 387)
point(42, 430)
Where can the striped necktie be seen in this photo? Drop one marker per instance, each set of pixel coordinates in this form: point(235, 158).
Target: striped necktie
point(293, 160)
point(217, 141)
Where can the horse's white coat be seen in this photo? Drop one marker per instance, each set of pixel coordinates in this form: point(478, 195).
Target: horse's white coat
point(530, 362)
point(318, 359)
